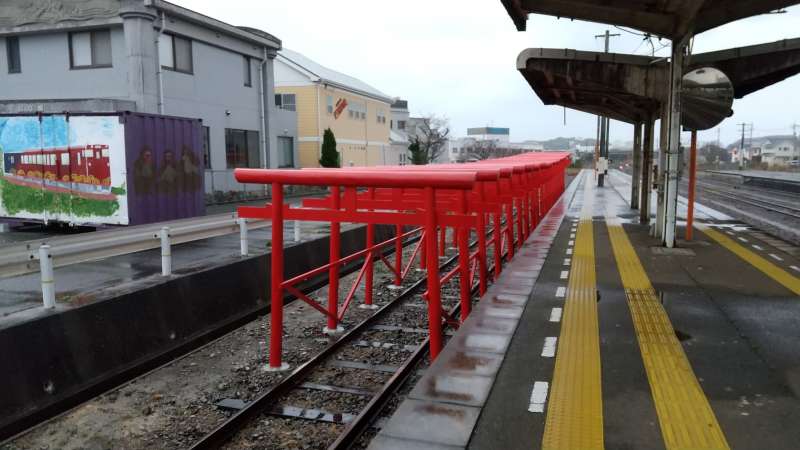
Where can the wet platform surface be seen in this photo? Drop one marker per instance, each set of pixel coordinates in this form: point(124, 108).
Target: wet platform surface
point(694, 347)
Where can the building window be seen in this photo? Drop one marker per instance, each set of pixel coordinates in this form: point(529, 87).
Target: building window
point(175, 53)
point(207, 147)
point(89, 49)
point(330, 104)
point(286, 102)
point(241, 149)
point(12, 53)
point(381, 117)
point(248, 75)
point(285, 152)
point(401, 124)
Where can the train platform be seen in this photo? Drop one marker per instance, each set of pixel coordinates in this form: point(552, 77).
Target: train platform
point(597, 337)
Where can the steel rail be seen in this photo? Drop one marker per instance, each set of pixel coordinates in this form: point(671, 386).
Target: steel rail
point(22, 258)
point(757, 203)
point(219, 436)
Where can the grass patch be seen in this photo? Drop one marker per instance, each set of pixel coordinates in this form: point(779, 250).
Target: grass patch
point(16, 199)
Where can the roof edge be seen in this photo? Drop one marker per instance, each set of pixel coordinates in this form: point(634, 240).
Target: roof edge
point(266, 40)
point(580, 55)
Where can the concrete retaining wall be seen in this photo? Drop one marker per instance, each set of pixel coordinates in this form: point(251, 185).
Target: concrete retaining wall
point(57, 361)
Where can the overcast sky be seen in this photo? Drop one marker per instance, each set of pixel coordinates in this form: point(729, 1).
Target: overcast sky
point(457, 58)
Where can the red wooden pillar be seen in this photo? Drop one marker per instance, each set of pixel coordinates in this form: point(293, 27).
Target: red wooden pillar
point(434, 287)
point(276, 280)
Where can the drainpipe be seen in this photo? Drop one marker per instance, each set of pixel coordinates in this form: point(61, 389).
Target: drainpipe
point(159, 70)
point(262, 109)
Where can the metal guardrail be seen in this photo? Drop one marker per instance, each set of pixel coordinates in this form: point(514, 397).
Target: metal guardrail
point(42, 255)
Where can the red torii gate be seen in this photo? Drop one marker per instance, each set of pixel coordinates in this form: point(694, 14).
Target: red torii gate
point(344, 209)
point(464, 196)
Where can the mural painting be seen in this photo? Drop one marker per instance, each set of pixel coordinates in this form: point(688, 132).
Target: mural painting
point(63, 169)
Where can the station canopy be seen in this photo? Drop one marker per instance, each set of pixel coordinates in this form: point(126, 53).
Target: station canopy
point(671, 19)
point(631, 88)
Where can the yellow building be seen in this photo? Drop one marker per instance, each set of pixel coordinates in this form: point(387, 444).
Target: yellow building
point(357, 113)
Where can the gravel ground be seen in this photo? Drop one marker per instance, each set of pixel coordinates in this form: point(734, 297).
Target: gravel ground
point(173, 406)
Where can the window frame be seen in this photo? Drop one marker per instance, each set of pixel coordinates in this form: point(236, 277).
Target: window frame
point(247, 134)
point(247, 69)
point(18, 67)
point(174, 66)
point(91, 32)
point(280, 105)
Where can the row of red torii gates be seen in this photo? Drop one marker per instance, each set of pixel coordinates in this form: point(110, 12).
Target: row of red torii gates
point(500, 200)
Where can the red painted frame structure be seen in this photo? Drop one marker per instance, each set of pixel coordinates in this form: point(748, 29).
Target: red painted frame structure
point(513, 192)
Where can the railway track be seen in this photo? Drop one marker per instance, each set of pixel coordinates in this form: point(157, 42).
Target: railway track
point(775, 206)
point(395, 336)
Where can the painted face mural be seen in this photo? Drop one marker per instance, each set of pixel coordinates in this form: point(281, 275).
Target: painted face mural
point(144, 172)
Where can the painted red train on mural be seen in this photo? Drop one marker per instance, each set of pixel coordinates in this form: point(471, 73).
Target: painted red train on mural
point(80, 164)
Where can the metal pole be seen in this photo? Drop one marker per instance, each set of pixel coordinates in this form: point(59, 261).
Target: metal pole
point(692, 185)
point(166, 252)
point(637, 164)
point(276, 281)
point(297, 230)
point(434, 288)
point(244, 250)
point(647, 165)
point(674, 142)
point(601, 167)
point(662, 163)
point(48, 280)
point(333, 270)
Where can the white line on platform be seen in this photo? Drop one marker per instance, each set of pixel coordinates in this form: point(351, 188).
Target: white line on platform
point(795, 268)
point(555, 315)
point(570, 243)
point(729, 232)
point(742, 239)
point(564, 274)
point(549, 348)
point(567, 261)
point(775, 257)
point(572, 235)
point(757, 247)
point(538, 397)
point(561, 291)
point(569, 251)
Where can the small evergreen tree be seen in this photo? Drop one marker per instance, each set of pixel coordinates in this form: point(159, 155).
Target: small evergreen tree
point(330, 157)
point(418, 156)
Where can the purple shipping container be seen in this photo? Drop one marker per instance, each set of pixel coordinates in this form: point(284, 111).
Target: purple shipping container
point(101, 169)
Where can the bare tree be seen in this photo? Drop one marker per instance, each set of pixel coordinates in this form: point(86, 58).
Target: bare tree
point(483, 149)
point(431, 133)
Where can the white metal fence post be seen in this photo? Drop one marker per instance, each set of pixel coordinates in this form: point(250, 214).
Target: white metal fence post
point(243, 237)
point(166, 252)
point(48, 282)
point(297, 231)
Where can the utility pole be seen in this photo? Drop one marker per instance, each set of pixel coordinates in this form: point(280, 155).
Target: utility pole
point(741, 147)
point(603, 126)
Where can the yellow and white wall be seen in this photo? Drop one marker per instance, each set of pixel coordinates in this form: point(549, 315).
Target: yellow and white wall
point(361, 141)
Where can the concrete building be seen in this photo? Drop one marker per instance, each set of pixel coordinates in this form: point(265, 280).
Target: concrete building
point(772, 151)
point(154, 57)
point(357, 113)
point(398, 134)
point(501, 135)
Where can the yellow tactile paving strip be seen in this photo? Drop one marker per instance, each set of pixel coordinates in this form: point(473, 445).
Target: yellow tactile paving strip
point(783, 277)
point(575, 410)
point(684, 414)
